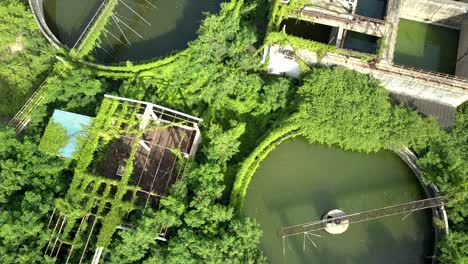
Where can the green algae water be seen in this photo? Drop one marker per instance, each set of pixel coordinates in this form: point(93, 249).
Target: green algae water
point(68, 18)
point(298, 182)
point(427, 46)
point(173, 24)
point(140, 29)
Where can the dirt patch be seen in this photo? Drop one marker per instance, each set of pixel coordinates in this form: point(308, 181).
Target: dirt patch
point(17, 46)
point(173, 138)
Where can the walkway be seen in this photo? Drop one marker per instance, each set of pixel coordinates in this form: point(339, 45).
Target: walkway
point(408, 208)
point(361, 24)
point(96, 26)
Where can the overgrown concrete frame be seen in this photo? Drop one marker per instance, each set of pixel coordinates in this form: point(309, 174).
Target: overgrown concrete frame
point(95, 205)
point(440, 88)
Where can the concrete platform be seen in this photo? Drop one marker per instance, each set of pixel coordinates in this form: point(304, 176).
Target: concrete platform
point(282, 62)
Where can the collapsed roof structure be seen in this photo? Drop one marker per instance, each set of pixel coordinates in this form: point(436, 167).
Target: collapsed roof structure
point(131, 154)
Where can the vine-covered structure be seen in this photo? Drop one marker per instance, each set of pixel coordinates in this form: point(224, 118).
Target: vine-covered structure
point(131, 154)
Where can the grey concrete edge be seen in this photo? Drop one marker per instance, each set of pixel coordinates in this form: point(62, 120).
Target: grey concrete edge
point(38, 13)
point(431, 191)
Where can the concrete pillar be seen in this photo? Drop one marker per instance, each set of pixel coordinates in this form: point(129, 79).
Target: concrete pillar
point(462, 57)
point(97, 255)
point(388, 42)
point(146, 116)
point(197, 140)
point(354, 7)
point(339, 37)
point(333, 36)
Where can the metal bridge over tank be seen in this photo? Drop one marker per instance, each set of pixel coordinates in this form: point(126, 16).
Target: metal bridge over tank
point(405, 208)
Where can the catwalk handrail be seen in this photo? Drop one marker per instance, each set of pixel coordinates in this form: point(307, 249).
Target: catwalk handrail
point(435, 74)
point(364, 216)
point(339, 16)
point(88, 26)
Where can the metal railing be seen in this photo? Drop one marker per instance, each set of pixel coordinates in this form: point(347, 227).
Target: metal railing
point(343, 17)
point(432, 73)
point(90, 24)
point(22, 117)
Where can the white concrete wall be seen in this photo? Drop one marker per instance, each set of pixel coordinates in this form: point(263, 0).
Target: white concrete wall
point(446, 13)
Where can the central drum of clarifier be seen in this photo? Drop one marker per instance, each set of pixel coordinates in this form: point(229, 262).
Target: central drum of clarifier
point(336, 222)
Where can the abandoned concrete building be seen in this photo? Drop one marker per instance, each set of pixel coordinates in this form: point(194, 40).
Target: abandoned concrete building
point(417, 48)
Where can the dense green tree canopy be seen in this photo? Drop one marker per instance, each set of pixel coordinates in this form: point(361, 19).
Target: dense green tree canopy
point(30, 182)
point(220, 79)
point(352, 110)
point(207, 231)
point(25, 55)
point(445, 163)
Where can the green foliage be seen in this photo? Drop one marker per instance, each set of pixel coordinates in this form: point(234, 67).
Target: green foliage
point(284, 39)
point(219, 78)
point(55, 137)
point(87, 150)
point(349, 109)
point(25, 56)
point(211, 233)
point(444, 163)
point(250, 165)
point(455, 248)
point(208, 232)
point(74, 90)
point(223, 145)
point(134, 245)
point(236, 243)
point(30, 182)
point(321, 49)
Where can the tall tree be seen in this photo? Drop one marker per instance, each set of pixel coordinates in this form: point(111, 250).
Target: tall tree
point(30, 182)
point(352, 110)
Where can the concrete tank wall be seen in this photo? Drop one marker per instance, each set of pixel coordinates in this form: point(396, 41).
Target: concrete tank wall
point(462, 57)
point(38, 12)
point(447, 13)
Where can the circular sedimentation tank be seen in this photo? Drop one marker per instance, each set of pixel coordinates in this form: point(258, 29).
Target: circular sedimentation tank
point(140, 30)
point(299, 182)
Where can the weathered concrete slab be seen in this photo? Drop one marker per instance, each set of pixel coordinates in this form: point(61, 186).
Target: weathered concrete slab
point(444, 114)
point(447, 13)
point(281, 63)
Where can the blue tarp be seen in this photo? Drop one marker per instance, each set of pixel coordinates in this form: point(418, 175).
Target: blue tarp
point(75, 125)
